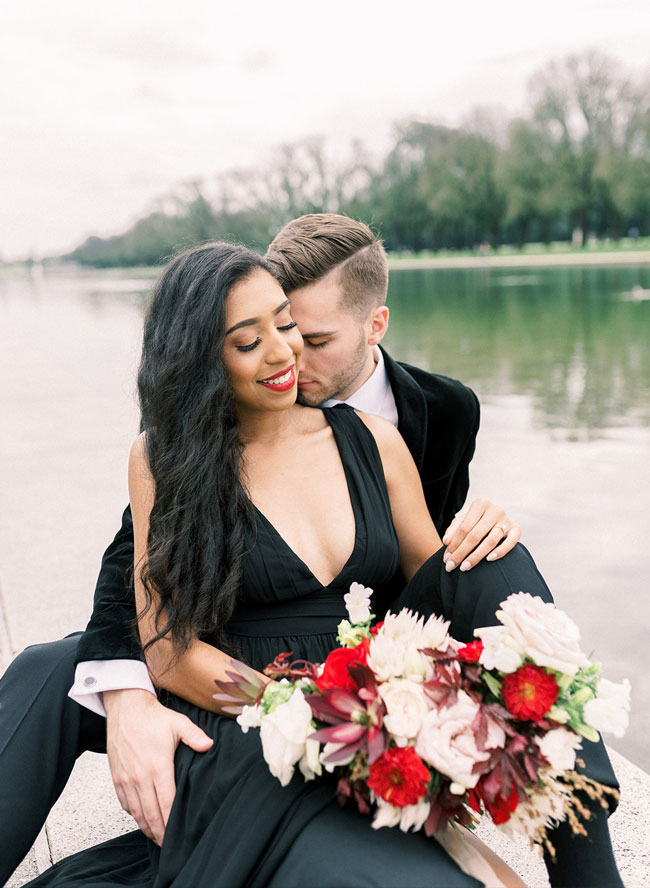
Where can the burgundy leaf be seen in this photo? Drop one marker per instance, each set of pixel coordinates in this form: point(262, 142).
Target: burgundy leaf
point(346, 732)
point(376, 744)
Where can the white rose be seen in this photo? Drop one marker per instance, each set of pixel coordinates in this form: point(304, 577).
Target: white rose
point(559, 748)
point(357, 602)
point(406, 706)
point(447, 741)
point(500, 650)
point(609, 710)
point(544, 633)
point(309, 764)
point(284, 733)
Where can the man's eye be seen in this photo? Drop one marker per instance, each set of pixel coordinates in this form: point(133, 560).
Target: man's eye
point(316, 344)
point(288, 326)
point(247, 348)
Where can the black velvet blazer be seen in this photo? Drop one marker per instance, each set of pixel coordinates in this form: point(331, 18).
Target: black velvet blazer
point(438, 418)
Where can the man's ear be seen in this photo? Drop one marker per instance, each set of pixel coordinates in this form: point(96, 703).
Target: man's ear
point(378, 324)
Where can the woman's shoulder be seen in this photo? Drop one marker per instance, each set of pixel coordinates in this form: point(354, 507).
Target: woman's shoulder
point(139, 470)
point(382, 430)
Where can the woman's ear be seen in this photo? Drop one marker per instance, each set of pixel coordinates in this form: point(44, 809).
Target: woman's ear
point(378, 324)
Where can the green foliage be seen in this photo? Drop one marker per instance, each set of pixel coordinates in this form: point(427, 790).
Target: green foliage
point(577, 166)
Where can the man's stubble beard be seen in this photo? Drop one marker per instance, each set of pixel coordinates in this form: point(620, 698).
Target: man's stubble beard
point(341, 381)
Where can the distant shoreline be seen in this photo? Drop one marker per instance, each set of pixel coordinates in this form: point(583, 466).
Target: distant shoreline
point(522, 260)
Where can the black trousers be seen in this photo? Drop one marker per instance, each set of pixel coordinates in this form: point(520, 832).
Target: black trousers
point(43, 731)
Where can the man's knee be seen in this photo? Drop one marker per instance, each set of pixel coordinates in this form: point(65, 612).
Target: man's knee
point(473, 597)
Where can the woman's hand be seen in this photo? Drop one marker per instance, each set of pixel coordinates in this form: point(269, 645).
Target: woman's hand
point(483, 531)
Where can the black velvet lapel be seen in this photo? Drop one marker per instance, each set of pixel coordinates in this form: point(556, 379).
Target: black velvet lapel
point(411, 408)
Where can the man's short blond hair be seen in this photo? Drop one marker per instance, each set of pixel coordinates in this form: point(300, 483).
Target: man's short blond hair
point(312, 246)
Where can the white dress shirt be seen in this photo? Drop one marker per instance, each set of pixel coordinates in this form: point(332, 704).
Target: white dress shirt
point(92, 677)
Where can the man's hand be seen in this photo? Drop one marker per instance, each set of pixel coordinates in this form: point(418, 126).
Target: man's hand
point(483, 531)
point(141, 740)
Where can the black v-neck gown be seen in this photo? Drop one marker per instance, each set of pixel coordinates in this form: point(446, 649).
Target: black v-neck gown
point(232, 824)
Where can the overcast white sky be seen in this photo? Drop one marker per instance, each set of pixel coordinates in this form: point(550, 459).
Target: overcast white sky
point(106, 106)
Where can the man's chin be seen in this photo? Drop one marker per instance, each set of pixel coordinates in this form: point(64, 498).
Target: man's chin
point(309, 400)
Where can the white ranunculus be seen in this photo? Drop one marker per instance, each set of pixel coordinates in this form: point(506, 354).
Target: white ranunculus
point(357, 602)
point(609, 711)
point(408, 817)
point(559, 748)
point(544, 633)
point(500, 650)
point(250, 717)
point(284, 733)
point(406, 706)
point(387, 656)
point(447, 741)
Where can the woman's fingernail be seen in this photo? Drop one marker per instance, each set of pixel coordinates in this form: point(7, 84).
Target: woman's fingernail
point(491, 557)
point(450, 566)
point(466, 565)
point(445, 539)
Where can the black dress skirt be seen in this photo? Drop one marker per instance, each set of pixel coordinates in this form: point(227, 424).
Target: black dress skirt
point(232, 824)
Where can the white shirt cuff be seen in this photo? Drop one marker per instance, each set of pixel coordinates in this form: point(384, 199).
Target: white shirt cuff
point(92, 677)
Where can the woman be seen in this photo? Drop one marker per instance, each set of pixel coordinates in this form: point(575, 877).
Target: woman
point(252, 516)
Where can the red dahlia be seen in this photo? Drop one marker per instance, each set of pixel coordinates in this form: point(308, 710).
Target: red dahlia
point(471, 652)
point(529, 692)
point(399, 776)
point(501, 808)
point(335, 672)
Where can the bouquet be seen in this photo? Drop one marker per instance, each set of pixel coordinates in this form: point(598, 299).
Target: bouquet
point(422, 731)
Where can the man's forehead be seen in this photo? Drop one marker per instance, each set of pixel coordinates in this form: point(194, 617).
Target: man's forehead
point(317, 306)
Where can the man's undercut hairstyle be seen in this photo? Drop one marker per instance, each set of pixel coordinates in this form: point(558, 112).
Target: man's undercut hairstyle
point(312, 246)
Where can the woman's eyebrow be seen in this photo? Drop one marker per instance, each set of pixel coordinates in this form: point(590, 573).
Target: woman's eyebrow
point(250, 321)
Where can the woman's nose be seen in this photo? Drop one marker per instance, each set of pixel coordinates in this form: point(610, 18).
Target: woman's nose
point(279, 349)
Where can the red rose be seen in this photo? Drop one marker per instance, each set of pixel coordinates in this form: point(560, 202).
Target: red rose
point(335, 672)
point(471, 652)
point(375, 629)
point(399, 776)
point(529, 692)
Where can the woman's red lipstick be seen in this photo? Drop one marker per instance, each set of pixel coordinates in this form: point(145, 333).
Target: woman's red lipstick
point(286, 379)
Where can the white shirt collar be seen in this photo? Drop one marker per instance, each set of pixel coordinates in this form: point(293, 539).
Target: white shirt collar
point(374, 396)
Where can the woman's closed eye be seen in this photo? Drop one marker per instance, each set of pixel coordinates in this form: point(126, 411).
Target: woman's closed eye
point(252, 345)
point(247, 348)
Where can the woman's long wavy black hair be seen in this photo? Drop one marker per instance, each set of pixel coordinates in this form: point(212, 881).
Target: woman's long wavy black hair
point(201, 511)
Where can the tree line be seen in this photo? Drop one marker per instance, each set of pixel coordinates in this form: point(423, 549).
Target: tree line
point(576, 165)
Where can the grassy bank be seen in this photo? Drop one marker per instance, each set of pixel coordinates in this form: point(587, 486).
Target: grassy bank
point(625, 251)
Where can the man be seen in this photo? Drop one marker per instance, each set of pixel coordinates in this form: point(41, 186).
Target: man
point(335, 272)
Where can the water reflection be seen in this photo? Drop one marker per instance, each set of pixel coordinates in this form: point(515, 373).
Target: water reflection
point(573, 339)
